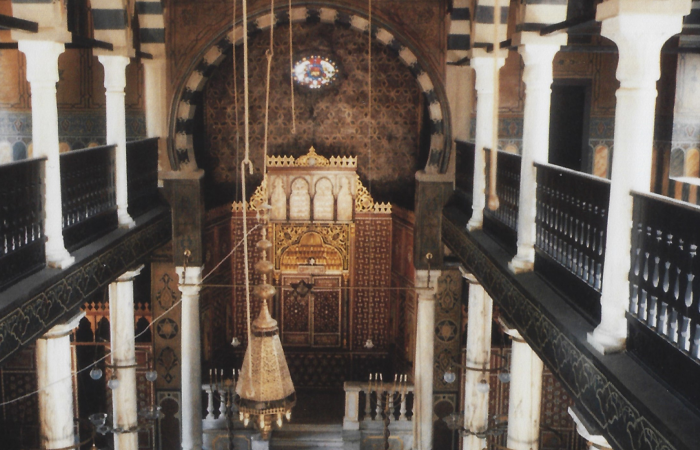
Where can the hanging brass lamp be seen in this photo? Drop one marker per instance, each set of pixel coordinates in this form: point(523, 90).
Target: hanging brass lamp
point(265, 389)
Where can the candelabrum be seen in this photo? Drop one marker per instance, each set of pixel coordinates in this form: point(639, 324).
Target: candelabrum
point(150, 414)
point(396, 390)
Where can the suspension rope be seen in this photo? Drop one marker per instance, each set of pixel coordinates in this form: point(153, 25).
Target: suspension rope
point(369, 151)
point(269, 54)
point(291, 70)
point(493, 202)
point(153, 322)
point(246, 161)
point(235, 98)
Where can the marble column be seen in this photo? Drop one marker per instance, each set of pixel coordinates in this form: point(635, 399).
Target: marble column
point(55, 385)
point(42, 74)
point(476, 404)
point(154, 80)
point(525, 396)
point(115, 83)
point(639, 28)
point(423, 361)
point(123, 348)
point(485, 89)
point(191, 410)
point(537, 77)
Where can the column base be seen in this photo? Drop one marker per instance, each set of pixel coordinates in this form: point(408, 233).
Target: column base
point(125, 221)
point(59, 259)
point(604, 342)
point(521, 265)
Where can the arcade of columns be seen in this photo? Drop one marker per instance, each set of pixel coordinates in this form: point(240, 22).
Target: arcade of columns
point(638, 27)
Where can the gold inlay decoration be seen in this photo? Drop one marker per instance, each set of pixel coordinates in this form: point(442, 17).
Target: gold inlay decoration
point(291, 238)
point(312, 159)
point(257, 200)
point(311, 248)
point(364, 203)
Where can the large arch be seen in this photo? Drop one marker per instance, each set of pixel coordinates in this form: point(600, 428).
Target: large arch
point(196, 77)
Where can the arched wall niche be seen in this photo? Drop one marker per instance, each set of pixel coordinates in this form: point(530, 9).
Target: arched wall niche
point(188, 98)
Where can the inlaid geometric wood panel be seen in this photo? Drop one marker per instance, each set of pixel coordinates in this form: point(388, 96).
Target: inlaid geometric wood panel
point(372, 275)
point(296, 317)
point(326, 297)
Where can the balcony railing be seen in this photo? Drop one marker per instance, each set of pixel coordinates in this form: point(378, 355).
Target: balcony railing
point(21, 220)
point(571, 230)
point(664, 319)
point(142, 175)
point(503, 222)
point(88, 195)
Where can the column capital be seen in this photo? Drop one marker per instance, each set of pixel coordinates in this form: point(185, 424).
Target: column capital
point(483, 66)
point(115, 71)
point(538, 58)
point(597, 440)
point(42, 60)
point(510, 330)
point(640, 28)
point(424, 292)
point(64, 329)
point(189, 279)
point(129, 275)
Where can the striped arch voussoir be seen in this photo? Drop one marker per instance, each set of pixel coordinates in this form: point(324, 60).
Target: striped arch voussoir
point(211, 57)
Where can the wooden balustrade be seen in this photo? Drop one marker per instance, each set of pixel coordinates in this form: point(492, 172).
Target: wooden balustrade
point(663, 318)
point(571, 231)
point(21, 220)
point(88, 195)
point(503, 222)
point(142, 175)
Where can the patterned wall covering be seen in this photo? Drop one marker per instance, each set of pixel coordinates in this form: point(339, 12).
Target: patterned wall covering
point(81, 103)
point(238, 317)
point(19, 427)
point(192, 24)
point(372, 267)
point(448, 321)
point(403, 277)
point(166, 339)
point(332, 119)
point(215, 302)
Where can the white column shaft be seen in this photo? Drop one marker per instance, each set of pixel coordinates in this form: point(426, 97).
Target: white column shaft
point(123, 348)
point(423, 363)
point(476, 404)
point(42, 74)
point(191, 410)
point(538, 95)
point(115, 83)
point(55, 383)
point(639, 38)
point(485, 89)
point(525, 398)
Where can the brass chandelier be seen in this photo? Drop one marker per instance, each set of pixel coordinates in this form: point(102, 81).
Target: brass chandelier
point(265, 390)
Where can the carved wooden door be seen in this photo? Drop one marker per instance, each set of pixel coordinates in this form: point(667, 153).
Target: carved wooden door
point(313, 318)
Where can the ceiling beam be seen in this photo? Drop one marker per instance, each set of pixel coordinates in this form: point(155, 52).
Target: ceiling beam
point(13, 23)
